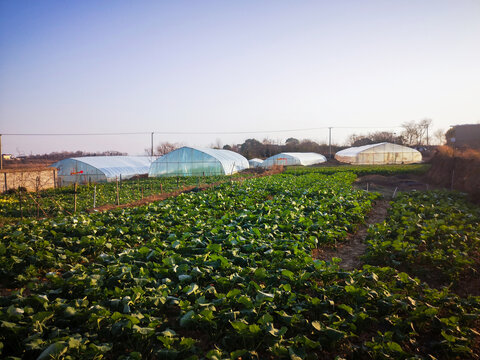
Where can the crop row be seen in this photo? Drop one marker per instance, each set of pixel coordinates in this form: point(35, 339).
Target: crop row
point(61, 201)
point(361, 170)
point(433, 235)
point(224, 273)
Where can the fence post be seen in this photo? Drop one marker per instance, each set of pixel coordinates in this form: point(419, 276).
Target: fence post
point(5, 175)
point(161, 188)
point(178, 179)
point(118, 195)
point(38, 197)
point(75, 198)
point(94, 196)
point(54, 180)
point(20, 201)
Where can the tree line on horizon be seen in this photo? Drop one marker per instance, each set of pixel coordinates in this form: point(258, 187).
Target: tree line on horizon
point(413, 134)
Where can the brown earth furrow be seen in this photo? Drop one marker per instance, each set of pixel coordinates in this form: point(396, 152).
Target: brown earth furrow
point(351, 251)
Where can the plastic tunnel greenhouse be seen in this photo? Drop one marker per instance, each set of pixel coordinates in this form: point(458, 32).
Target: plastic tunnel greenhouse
point(255, 162)
point(294, 158)
point(382, 153)
point(190, 161)
point(88, 169)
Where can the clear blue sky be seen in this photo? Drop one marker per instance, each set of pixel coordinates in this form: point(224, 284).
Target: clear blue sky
point(231, 66)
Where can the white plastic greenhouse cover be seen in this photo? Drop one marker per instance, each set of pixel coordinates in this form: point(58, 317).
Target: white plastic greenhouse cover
point(101, 168)
point(382, 153)
point(188, 161)
point(294, 158)
point(255, 162)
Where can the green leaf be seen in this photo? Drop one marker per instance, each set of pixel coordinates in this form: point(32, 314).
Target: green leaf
point(184, 278)
point(403, 277)
point(169, 333)
point(35, 344)
point(347, 308)
point(14, 311)
point(449, 338)
point(317, 325)
point(11, 326)
point(143, 330)
point(395, 347)
point(216, 248)
point(187, 318)
point(191, 289)
point(70, 311)
point(254, 329)
point(334, 334)
point(240, 326)
point(102, 348)
point(74, 343)
point(288, 274)
point(187, 343)
point(144, 250)
point(296, 354)
point(234, 292)
point(54, 350)
point(263, 296)
point(260, 274)
point(214, 354)
point(245, 301)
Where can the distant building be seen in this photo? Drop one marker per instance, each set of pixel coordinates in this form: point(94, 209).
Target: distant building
point(464, 136)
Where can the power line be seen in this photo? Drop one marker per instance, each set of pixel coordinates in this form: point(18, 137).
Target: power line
point(199, 132)
point(75, 134)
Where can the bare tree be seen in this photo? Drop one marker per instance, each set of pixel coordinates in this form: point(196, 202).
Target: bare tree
point(424, 125)
point(439, 137)
point(163, 148)
point(217, 144)
point(373, 138)
point(414, 133)
point(410, 133)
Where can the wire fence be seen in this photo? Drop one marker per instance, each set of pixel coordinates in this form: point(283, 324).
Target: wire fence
point(74, 198)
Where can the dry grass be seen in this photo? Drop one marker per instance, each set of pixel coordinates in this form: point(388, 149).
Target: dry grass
point(461, 153)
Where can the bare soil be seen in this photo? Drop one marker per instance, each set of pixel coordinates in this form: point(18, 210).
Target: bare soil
point(351, 251)
point(389, 185)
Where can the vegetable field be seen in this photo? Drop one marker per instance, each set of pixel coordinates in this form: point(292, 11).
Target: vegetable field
point(434, 235)
point(361, 170)
point(61, 201)
point(225, 273)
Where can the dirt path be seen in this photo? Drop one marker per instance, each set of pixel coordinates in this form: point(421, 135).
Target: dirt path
point(351, 251)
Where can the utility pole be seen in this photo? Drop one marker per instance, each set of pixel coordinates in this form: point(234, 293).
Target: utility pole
point(151, 153)
point(330, 142)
